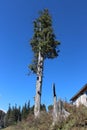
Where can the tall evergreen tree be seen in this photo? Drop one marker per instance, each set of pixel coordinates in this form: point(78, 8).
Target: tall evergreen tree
point(25, 110)
point(2, 116)
point(44, 45)
point(19, 113)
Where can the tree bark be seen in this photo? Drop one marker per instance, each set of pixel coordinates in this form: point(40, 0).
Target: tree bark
point(55, 111)
point(38, 85)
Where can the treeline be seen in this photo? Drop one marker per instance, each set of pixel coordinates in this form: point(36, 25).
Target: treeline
point(2, 115)
point(16, 114)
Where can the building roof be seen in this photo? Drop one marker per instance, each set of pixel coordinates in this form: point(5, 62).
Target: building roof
point(82, 90)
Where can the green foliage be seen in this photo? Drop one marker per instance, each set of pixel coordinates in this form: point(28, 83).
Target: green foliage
point(50, 108)
point(43, 107)
point(25, 111)
point(16, 114)
point(76, 121)
point(44, 39)
point(77, 118)
point(13, 116)
point(2, 115)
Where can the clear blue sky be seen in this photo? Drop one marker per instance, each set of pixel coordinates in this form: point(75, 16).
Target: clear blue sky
point(68, 71)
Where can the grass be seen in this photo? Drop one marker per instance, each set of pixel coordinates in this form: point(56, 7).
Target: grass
point(42, 123)
point(76, 121)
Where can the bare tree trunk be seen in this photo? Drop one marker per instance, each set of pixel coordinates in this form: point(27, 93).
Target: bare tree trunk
point(38, 85)
point(55, 109)
point(59, 113)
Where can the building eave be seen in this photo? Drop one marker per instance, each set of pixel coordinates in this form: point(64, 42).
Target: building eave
point(82, 90)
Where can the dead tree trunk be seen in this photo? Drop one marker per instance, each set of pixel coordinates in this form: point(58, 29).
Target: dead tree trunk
point(55, 111)
point(38, 85)
point(59, 113)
